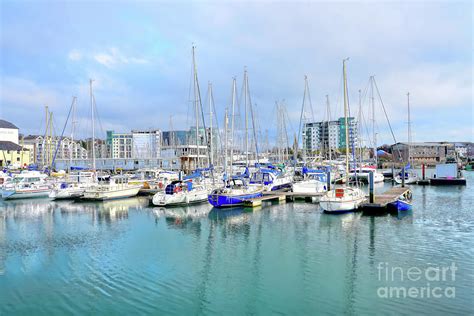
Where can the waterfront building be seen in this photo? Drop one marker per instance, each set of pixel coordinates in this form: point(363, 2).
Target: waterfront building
point(11, 153)
point(43, 149)
point(329, 134)
point(146, 144)
point(121, 144)
point(8, 132)
point(427, 153)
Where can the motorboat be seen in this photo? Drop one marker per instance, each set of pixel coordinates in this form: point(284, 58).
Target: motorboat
point(74, 187)
point(111, 187)
point(271, 179)
point(181, 192)
point(314, 181)
point(27, 184)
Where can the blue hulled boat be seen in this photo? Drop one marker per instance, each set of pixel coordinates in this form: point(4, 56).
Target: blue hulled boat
point(234, 194)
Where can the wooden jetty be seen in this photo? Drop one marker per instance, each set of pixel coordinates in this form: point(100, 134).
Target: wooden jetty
point(381, 201)
point(280, 196)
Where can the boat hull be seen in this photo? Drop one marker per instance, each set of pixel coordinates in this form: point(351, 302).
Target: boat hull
point(24, 194)
point(181, 198)
point(67, 194)
point(401, 205)
point(102, 195)
point(348, 202)
point(230, 200)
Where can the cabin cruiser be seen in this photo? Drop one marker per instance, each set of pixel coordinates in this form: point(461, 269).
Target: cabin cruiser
point(271, 179)
point(111, 187)
point(74, 187)
point(363, 174)
point(234, 193)
point(314, 181)
point(411, 176)
point(27, 184)
point(181, 192)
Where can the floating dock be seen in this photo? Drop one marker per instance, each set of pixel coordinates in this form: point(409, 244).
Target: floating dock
point(381, 201)
point(281, 196)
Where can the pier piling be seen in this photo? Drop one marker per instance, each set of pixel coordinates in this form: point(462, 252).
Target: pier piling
point(328, 180)
point(403, 177)
point(371, 187)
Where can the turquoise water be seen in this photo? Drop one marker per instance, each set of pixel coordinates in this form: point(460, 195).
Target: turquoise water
point(125, 257)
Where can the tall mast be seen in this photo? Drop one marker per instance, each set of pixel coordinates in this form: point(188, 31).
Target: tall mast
point(93, 125)
point(209, 93)
point(409, 126)
point(345, 116)
point(226, 128)
point(246, 120)
point(374, 136)
point(71, 145)
point(359, 119)
point(45, 135)
point(301, 126)
point(234, 92)
point(328, 127)
point(196, 108)
point(50, 142)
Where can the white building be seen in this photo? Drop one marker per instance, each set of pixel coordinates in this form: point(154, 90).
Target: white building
point(8, 132)
point(43, 150)
point(324, 135)
point(146, 144)
point(121, 145)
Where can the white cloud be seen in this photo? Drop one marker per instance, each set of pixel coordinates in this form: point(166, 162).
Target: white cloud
point(114, 57)
point(75, 55)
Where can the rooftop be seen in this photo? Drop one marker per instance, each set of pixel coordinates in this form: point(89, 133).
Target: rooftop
point(5, 145)
point(6, 124)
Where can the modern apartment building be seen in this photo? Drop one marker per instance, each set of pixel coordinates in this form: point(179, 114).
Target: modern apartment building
point(329, 134)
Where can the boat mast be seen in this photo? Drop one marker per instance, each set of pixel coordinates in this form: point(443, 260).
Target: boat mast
point(359, 125)
point(196, 108)
point(209, 93)
point(409, 127)
point(234, 92)
point(93, 124)
point(71, 145)
point(246, 120)
point(301, 121)
point(345, 115)
point(373, 119)
point(328, 127)
point(226, 128)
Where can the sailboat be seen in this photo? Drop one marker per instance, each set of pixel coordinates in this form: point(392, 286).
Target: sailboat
point(411, 176)
point(314, 181)
point(194, 188)
point(235, 190)
point(345, 198)
point(107, 187)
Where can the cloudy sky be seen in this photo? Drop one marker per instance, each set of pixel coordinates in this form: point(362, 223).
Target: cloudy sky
point(139, 55)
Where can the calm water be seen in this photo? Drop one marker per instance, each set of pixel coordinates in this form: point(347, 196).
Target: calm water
point(126, 257)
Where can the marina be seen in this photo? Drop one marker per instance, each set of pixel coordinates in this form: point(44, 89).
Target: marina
point(195, 257)
point(237, 158)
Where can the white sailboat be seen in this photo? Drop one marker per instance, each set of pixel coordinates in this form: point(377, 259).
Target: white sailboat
point(345, 198)
point(411, 176)
point(314, 181)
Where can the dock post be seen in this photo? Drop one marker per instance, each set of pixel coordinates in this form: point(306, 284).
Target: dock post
point(393, 174)
point(328, 180)
point(371, 187)
point(403, 177)
point(423, 171)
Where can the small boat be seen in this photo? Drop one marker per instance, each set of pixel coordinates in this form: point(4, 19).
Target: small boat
point(271, 179)
point(403, 203)
point(363, 174)
point(111, 187)
point(340, 200)
point(234, 194)
point(314, 181)
point(28, 184)
point(73, 188)
point(181, 192)
point(411, 176)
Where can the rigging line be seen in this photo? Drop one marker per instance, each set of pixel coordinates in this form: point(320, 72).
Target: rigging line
point(62, 133)
point(96, 112)
point(386, 116)
point(253, 121)
point(217, 121)
point(302, 109)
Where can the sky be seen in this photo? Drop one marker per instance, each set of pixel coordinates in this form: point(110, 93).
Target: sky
point(139, 56)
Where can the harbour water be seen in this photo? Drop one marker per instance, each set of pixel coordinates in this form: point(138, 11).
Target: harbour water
point(127, 257)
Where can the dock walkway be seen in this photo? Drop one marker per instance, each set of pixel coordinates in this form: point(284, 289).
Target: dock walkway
point(381, 201)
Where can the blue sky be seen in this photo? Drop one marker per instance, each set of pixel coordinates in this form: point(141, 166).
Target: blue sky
point(139, 54)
